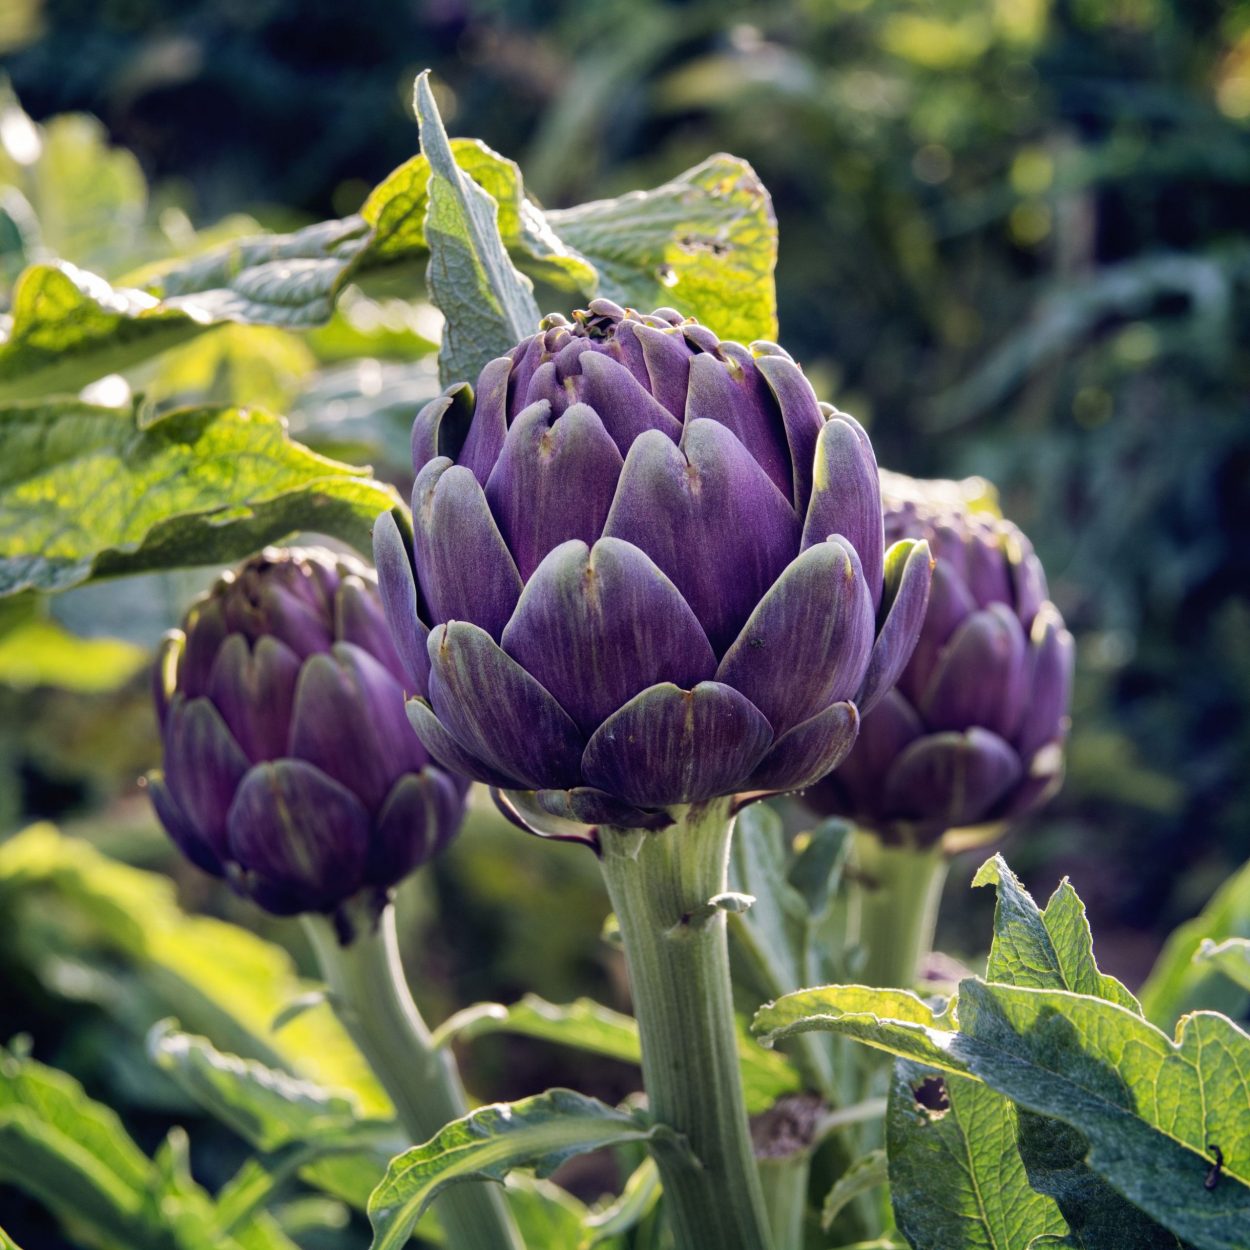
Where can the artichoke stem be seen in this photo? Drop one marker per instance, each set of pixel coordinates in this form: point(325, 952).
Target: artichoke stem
point(785, 1184)
point(901, 887)
point(678, 957)
point(370, 995)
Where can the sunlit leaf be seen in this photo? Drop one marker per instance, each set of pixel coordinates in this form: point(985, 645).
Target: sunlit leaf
point(62, 900)
point(89, 491)
point(74, 1156)
point(539, 1132)
point(1179, 982)
point(267, 1107)
point(956, 1178)
point(896, 1021)
point(637, 1199)
point(68, 327)
point(1051, 949)
point(589, 1026)
point(38, 651)
point(487, 304)
point(705, 244)
point(862, 1177)
point(1231, 957)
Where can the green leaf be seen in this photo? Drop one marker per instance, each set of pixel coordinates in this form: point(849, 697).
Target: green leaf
point(589, 1026)
point(74, 1156)
point(7, 1242)
point(705, 243)
point(1152, 1109)
point(539, 1132)
point(71, 1153)
point(956, 1179)
point(87, 491)
point(1054, 1156)
point(68, 327)
point(37, 651)
point(773, 935)
point(637, 1200)
point(546, 1215)
point(64, 902)
point(896, 1021)
point(862, 1177)
point(1051, 949)
point(1179, 982)
point(488, 305)
point(397, 207)
point(1231, 957)
point(1054, 950)
point(269, 1108)
point(583, 1024)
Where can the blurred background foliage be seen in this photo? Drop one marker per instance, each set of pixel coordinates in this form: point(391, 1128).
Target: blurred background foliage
point(1013, 241)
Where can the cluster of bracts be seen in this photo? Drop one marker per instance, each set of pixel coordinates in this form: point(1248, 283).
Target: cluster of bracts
point(645, 568)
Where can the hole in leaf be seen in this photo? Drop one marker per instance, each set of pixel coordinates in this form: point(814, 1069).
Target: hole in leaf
point(931, 1097)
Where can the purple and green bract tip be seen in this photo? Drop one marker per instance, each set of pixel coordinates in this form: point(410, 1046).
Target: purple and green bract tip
point(290, 767)
point(973, 733)
point(648, 569)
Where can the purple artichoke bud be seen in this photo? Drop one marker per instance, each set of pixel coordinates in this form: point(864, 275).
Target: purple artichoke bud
point(647, 569)
point(973, 733)
point(290, 767)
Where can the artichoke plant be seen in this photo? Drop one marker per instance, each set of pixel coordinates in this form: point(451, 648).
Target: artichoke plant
point(647, 569)
point(973, 733)
point(290, 768)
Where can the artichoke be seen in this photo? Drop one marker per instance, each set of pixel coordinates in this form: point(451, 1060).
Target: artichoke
point(973, 733)
point(290, 767)
point(646, 569)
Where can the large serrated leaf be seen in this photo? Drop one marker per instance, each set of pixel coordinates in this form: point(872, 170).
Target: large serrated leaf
point(1051, 949)
point(705, 243)
point(862, 1177)
point(896, 1021)
point(68, 327)
point(396, 211)
point(1147, 1114)
point(539, 1132)
point(589, 1026)
point(1231, 957)
point(63, 900)
point(267, 1107)
point(956, 1179)
point(488, 305)
point(1153, 1110)
point(88, 491)
point(1179, 982)
point(74, 1156)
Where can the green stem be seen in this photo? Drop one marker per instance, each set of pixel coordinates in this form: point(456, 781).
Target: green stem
point(371, 996)
point(784, 1182)
point(660, 885)
point(899, 902)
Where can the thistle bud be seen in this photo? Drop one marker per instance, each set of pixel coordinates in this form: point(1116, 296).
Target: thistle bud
point(647, 569)
point(973, 733)
point(290, 766)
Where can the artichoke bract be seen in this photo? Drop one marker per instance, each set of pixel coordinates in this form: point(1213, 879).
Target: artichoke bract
point(290, 767)
point(973, 733)
point(647, 568)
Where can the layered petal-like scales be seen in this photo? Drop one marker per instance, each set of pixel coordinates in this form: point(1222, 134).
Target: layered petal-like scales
point(973, 733)
point(290, 766)
point(650, 565)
